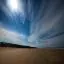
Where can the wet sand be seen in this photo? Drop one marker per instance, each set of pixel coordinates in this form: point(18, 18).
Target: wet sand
point(31, 56)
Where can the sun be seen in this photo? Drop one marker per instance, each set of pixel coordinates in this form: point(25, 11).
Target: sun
point(14, 5)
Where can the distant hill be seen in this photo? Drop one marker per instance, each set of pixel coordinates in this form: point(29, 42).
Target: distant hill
point(4, 44)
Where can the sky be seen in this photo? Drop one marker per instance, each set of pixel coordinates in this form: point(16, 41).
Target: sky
point(37, 23)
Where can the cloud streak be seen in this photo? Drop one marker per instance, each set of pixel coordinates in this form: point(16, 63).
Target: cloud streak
point(42, 23)
point(48, 23)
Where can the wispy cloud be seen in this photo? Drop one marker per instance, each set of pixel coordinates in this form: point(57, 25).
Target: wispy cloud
point(42, 20)
point(48, 22)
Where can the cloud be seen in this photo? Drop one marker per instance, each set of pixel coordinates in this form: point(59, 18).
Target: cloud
point(46, 23)
point(43, 21)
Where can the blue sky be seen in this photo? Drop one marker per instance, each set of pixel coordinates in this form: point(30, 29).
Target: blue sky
point(40, 21)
